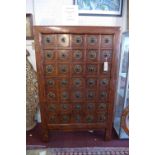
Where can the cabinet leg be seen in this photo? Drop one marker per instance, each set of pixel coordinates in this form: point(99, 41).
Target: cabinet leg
point(45, 136)
point(108, 134)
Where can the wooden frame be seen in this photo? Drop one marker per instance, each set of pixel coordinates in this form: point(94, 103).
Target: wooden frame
point(42, 30)
point(99, 8)
point(29, 27)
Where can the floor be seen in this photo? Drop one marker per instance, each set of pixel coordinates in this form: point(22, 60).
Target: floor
point(72, 139)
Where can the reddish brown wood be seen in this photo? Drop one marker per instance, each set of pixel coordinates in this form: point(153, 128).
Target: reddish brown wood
point(76, 54)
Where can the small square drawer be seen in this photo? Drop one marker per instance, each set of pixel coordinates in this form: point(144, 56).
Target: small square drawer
point(50, 55)
point(50, 69)
point(77, 55)
point(91, 69)
point(106, 41)
point(65, 118)
point(64, 95)
point(77, 118)
point(91, 95)
point(49, 41)
point(90, 107)
point(103, 95)
point(101, 117)
point(77, 41)
point(78, 107)
point(63, 83)
point(77, 69)
point(52, 96)
point(53, 107)
point(92, 55)
point(101, 107)
point(63, 69)
point(90, 118)
point(53, 119)
point(51, 83)
point(78, 82)
point(64, 55)
point(106, 55)
point(104, 82)
point(63, 40)
point(65, 107)
point(92, 41)
point(91, 82)
point(77, 95)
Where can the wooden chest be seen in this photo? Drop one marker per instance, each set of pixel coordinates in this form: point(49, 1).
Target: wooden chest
point(77, 75)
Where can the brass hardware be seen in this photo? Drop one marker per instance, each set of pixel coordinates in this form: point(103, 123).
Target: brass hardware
point(51, 95)
point(90, 106)
point(77, 82)
point(64, 95)
point(89, 119)
point(103, 94)
point(48, 40)
point(51, 82)
point(78, 39)
point(102, 106)
point(49, 68)
point(91, 82)
point(92, 55)
point(77, 94)
point(52, 107)
point(50, 55)
point(77, 54)
point(63, 68)
point(102, 118)
point(65, 118)
point(64, 106)
point(91, 68)
point(92, 40)
point(52, 119)
point(78, 106)
point(78, 68)
point(91, 95)
point(64, 82)
point(104, 81)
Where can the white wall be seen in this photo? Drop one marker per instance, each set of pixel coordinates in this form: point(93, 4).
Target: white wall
point(49, 12)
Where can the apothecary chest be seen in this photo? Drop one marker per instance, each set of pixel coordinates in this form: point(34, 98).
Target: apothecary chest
point(77, 76)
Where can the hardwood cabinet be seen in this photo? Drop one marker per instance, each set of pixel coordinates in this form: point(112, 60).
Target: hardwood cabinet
point(77, 75)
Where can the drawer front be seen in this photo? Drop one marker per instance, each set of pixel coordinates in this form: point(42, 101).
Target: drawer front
point(50, 69)
point(92, 55)
point(77, 41)
point(49, 41)
point(63, 40)
point(52, 95)
point(50, 55)
point(63, 69)
point(64, 55)
point(77, 82)
point(91, 69)
point(92, 41)
point(106, 55)
point(77, 69)
point(106, 41)
point(78, 55)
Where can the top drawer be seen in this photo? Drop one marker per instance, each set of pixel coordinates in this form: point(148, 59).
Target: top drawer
point(76, 41)
point(106, 41)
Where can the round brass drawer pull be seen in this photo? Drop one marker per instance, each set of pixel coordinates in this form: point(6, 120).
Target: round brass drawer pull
point(51, 95)
point(49, 68)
